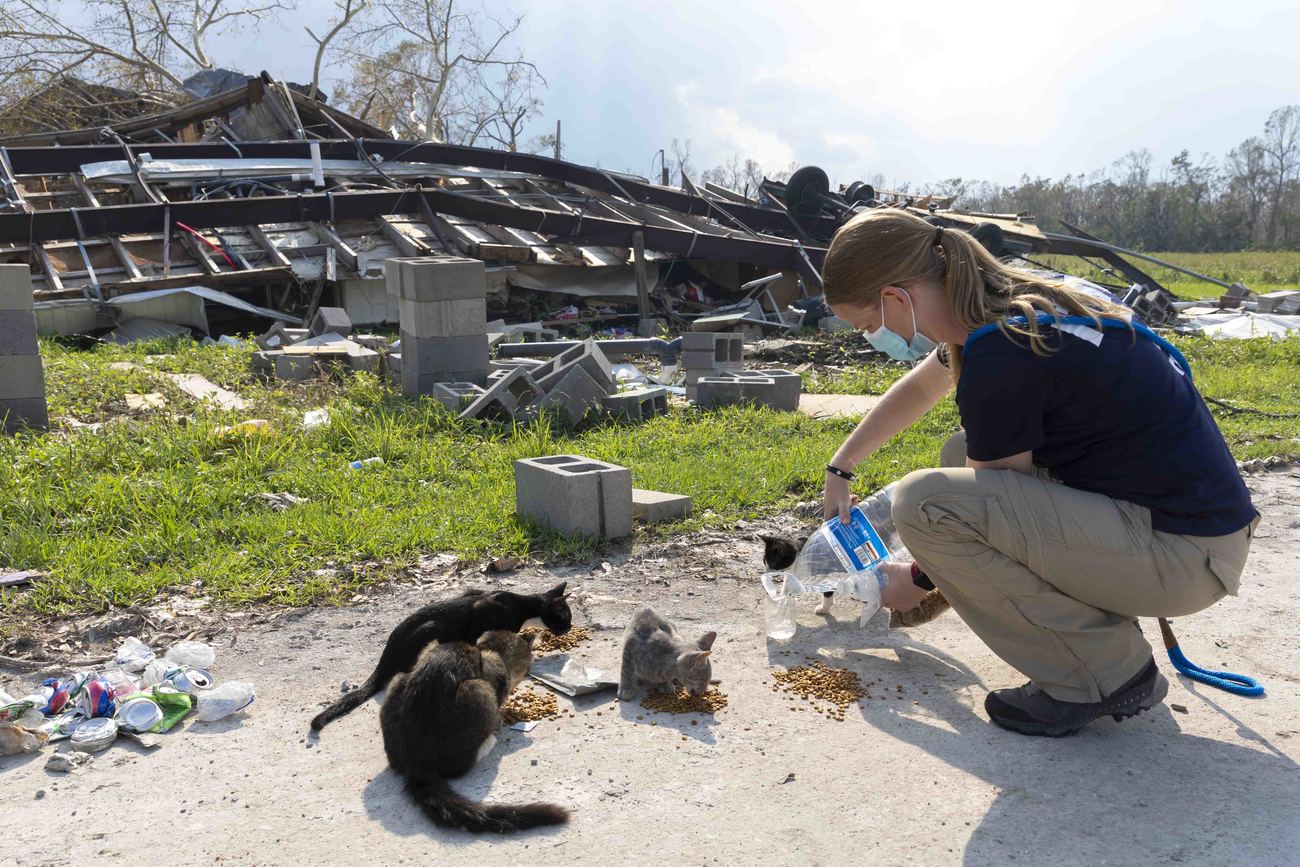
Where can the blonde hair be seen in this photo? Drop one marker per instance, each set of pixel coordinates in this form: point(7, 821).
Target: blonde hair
point(891, 247)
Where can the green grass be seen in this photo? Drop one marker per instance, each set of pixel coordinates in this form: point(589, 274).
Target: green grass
point(159, 502)
point(1258, 270)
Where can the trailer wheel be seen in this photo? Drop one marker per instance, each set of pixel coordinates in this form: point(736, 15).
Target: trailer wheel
point(804, 191)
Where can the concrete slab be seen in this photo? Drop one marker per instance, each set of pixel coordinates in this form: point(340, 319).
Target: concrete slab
point(199, 388)
point(836, 405)
point(652, 507)
point(575, 496)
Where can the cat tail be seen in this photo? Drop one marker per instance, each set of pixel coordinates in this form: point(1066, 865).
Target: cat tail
point(450, 810)
point(350, 701)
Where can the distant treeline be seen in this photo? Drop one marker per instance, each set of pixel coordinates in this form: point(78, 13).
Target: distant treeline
point(1250, 199)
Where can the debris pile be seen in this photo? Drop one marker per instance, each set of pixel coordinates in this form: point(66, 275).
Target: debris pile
point(141, 695)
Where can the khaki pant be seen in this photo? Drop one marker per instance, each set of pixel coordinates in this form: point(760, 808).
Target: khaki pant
point(1052, 578)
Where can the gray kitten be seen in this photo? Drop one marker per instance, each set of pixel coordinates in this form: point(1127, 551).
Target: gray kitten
point(654, 655)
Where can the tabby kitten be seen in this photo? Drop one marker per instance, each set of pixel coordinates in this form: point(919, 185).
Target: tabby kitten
point(443, 716)
point(461, 618)
point(654, 655)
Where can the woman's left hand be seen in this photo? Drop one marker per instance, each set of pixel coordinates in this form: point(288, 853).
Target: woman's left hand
point(900, 594)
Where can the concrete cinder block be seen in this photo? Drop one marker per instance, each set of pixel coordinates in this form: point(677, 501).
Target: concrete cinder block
point(18, 333)
point(713, 391)
point(758, 390)
point(392, 367)
point(726, 347)
point(455, 396)
point(778, 389)
point(455, 318)
point(652, 507)
point(1272, 302)
point(442, 279)
point(15, 287)
point(587, 355)
point(573, 396)
point(330, 319)
point(296, 368)
point(365, 359)
point(24, 412)
point(575, 496)
point(21, 376)
point(637, 405)
point(505, 397)
point(263, 361)
point(442, 355)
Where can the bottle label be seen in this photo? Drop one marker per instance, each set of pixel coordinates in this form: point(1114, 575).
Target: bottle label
point(857, 544)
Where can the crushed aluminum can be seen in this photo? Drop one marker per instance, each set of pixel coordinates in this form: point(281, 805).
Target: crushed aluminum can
point(94, 735)
point(139, 713)
point(191, 681)
point(97, 698)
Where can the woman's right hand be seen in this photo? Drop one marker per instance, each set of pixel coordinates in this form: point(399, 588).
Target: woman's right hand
point(837, 499)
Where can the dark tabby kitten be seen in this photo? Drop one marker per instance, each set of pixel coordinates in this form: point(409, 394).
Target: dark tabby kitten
point(780, 552)
point(461, 618)
point(443, 716)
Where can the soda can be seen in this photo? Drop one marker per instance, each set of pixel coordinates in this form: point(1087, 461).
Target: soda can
point(98, 698)
point(191, 681)
point(139, 713)
point(94, 735)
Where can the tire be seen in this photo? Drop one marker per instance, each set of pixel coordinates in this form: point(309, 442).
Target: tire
point(804, 191)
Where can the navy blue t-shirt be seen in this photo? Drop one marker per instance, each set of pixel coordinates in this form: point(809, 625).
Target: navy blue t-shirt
point(1118, 419)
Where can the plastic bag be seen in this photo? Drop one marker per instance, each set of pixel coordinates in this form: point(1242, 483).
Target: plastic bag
point(134, 654)
point(221, 701)
point(195, 654)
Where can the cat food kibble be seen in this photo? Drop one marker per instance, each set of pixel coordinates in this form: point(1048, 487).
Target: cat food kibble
point(683, 702)
point(526, 706)
point(819, 682)
point(548, 641)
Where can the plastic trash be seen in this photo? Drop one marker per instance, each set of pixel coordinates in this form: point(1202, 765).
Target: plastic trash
point(195, 654)
point(94, 735)
point(314, 418)
point(175, 706)
point(16, 739)
point(134, 654)
point(224, 700)
point(121, 683)
point(155, 673)
point(356, 465)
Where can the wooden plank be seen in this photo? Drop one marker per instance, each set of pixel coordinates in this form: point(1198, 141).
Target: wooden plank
point(642, 279)
point(276, 255)
point(409, 246)
point(503, 253)
point(201, 389)
point(337, 244)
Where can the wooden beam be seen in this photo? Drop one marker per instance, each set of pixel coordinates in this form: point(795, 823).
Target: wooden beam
point(642, 279)
point(338, 245)
point(409, 247)
point(273, 252)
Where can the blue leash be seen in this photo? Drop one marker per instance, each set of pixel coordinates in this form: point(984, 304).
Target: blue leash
point(1238, 684)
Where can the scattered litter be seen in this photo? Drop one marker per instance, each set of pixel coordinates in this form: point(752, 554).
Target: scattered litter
point(64, 763)
point(94, 735)
point(279, 502)
point(139, 712)
point(192, 653)
point(789, 778)
point(1242, 325)
point(134, 654)
point(523, 726)
point(356, 465)
point(244, 428)
point(570, 677)
point(152, 400)
point(16, 739)
point(199, 388)
point(314, 418)
point(1178, 707)
point(628, 373)
point(682, 701)
point(148, 742)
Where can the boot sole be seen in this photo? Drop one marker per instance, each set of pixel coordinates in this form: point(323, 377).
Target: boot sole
point(1119, 711)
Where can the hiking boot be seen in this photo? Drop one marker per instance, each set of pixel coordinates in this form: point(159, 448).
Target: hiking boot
point(1030, 711)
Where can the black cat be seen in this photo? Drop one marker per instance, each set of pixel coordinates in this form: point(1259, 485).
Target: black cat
point(443, 716)
point(779, 554)
point(461, 618)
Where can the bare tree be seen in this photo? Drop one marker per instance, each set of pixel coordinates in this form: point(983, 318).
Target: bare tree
point(1282, 148)
point(740, 176)
point(682, 160)
point(346, 12)
point(439, 70)
point(147, 46)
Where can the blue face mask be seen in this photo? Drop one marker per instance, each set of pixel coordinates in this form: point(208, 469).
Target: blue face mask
point(892, 343)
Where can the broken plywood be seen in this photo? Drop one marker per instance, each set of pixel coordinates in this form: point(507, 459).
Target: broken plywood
point(200, 388)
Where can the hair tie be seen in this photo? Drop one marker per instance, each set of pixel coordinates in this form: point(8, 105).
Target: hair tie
point(938, 236)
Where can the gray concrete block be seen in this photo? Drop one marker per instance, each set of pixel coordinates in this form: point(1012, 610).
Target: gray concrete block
point(575, 496)
point(1271, 302)
point(18, 333)
point(778, 389)
point(456, 318)
point(712, 391)
point(263, 361)
point(789, 386)
point(296, 368)
point(652, 507)
point(15, 287)
point(725, 347)
point(24, 412)
point(330, 319)
point(365, 359)
point(377, 342)
point(446, 354)
point(21, 376)
point(442, 279)
point(393, 368)
point(587, 355)
point(455, 396)
point(573, 396)
point(505, 397)
point(756, 390)
point(637, 405)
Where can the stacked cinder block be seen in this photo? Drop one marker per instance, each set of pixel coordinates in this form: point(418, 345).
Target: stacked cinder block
point(442, 303)
point(574, 495)
point(22, 379)
point(707, 353)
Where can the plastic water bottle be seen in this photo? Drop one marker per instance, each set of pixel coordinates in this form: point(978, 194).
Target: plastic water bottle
point(356, 465)
point(221, 701)
point(841, 558)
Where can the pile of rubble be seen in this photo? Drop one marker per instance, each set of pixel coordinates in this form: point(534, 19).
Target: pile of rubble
point(445, 352)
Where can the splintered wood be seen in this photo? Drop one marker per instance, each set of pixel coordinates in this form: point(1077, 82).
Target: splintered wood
point(526, 706)
point(548, 642)
point(683, 702)
point(818, 682)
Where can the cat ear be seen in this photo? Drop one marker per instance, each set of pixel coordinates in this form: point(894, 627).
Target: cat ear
point(530, 638)
point(706, 640)
point(558, 589)
point(693, 658)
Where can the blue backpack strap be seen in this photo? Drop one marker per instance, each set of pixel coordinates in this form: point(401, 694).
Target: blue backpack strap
point(1106, 321)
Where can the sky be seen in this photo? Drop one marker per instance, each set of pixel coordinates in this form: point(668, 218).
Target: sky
point(916, 92)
